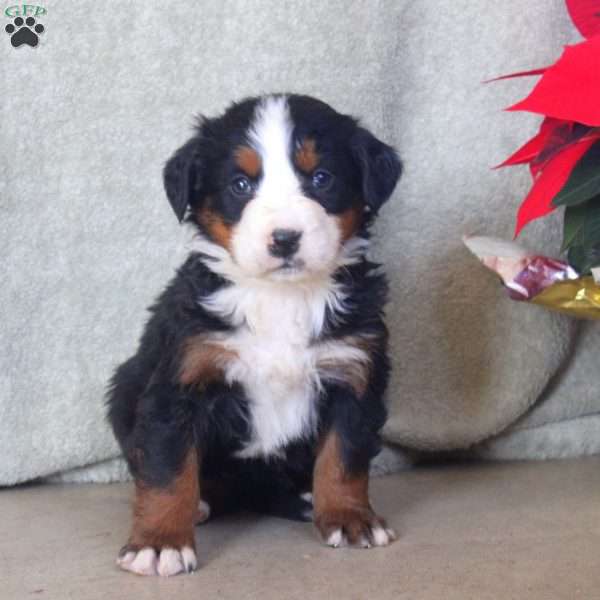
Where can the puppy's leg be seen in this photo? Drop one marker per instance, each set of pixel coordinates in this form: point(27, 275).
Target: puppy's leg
point(343, 514)
point(164, 461)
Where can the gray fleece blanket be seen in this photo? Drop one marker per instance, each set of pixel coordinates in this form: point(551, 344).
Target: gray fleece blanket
point(89, 116)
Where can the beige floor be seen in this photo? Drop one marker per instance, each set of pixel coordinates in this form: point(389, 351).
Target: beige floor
point(522, 531)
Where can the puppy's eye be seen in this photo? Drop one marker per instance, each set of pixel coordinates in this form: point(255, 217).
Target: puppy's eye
point(241, 186)
point(322, 179)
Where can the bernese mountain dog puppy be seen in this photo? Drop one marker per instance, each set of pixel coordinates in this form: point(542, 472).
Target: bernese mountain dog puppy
point(259, 378)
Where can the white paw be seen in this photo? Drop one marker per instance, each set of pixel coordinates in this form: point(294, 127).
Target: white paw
point(308, 513)
point(169, 562)
point(336, 539)
point(203, 512)
point(374, 536)
point(382, 536)
point(142, 562)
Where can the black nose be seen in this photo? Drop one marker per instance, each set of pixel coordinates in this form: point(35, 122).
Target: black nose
point(285, 242)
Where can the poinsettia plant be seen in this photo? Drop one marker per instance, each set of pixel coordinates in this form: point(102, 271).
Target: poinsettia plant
point(564, 156)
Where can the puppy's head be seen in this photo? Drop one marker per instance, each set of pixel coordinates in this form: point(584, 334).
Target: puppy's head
point(281, 183)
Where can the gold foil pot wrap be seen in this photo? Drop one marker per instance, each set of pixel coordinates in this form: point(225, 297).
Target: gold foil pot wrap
point(577, 297)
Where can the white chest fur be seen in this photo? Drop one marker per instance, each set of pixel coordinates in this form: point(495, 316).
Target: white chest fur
point(276, 358)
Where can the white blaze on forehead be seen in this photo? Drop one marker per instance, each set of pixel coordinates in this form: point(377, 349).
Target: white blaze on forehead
point(281, 203)
point(271, 134)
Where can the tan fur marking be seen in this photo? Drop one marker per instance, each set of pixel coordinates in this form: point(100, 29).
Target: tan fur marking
point(202, 361)
point(334, 491)
point(349, 222)
point(341, 500)
point(165, 517)
point(307, 158)
point(355, 373)
point(219, 231)
point(248, 160)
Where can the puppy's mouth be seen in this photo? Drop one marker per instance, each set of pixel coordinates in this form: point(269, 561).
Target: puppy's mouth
point(289, 267)
point(292, 264)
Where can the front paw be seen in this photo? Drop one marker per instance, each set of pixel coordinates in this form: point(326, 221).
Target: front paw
point(164, 561)
point(360, 528)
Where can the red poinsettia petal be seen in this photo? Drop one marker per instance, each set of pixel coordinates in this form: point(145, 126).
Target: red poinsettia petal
point(531, 149)
point(518, 74)
point(570, 89)
point(560, 137)
point(586, 16)
point(550, 181)
point(525, 153)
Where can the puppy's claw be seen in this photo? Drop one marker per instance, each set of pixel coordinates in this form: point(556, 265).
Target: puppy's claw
point(189, 559)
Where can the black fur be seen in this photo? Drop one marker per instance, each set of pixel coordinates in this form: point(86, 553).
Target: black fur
point(156, 420)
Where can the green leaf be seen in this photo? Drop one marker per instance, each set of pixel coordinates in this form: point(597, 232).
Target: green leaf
point(583, 259)
point(584, 181)
point(591, 225)
point(581, 235)
point(577, 259)
point(573, 225)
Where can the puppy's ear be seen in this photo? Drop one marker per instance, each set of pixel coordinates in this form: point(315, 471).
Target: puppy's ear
point(183, 176)
point(379, 166)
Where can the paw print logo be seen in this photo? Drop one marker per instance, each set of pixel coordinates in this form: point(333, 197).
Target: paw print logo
point(24, 32)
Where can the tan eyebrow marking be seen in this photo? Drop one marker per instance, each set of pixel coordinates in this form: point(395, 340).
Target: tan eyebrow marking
point(248, 160)
point(307, 157)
